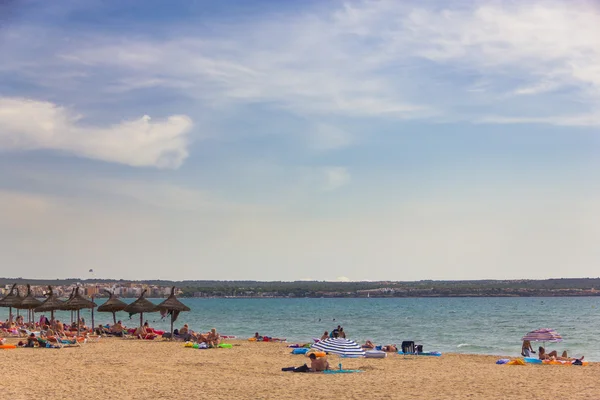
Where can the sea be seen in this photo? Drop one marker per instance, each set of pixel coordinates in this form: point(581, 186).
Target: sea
point(489, 325)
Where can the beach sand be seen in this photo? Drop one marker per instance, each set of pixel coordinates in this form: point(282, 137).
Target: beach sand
point(134, 369)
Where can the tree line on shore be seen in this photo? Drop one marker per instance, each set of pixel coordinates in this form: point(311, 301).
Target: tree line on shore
point(423, 288)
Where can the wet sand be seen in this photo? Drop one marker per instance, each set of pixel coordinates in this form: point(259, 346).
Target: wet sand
point(134, 369)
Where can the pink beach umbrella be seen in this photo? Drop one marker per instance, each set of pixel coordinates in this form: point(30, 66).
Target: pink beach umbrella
point(543, 335)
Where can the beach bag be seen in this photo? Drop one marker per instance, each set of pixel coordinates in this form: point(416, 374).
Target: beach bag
point(408, 347)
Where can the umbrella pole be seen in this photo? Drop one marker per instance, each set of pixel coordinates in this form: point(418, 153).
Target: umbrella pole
point(141, 319)
point(114, 318)
point(78, 322)
point(93, 314)
point(10, 318)
point(172, 314)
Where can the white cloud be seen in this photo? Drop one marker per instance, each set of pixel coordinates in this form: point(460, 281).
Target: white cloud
point(30, 125)
point(376, 59)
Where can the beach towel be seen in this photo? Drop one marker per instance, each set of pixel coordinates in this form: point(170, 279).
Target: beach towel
point(341, 371)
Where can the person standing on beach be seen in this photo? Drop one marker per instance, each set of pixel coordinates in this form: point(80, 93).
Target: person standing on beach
point(526, 349)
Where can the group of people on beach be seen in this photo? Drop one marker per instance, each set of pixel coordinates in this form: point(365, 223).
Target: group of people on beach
point(527, 350)
point(37, 333)
point(335, 333)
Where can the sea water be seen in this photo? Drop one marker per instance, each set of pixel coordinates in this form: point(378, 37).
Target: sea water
point(459, 325)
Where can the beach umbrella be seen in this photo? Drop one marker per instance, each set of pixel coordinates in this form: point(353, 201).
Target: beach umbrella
point(141, 306)
point(112, 305)
point(28, 303)
point(77, 303)
point(52, 303)
point(543, 335)
point(339, 346)
point(172, 306)
point(12, 299)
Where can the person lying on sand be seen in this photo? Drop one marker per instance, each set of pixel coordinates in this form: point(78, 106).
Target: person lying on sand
point(368, 345)
point(553, 355)
point(390, 348)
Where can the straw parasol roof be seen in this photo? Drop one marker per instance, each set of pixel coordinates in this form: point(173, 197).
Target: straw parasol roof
point(141, 305)
point(52, 302)
point(112, 305)
point(29, 302)
point(172, 304)
point(77, 302)
point(12, 299)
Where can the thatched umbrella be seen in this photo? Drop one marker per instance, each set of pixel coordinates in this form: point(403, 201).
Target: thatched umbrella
point(112, 305)
point(77, 303)
point(141, 306)
point(28, 303)
point(12, 299)
point(52, 303)
point(172, 306)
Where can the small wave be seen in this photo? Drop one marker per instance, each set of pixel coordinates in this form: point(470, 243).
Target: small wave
point(476, 347)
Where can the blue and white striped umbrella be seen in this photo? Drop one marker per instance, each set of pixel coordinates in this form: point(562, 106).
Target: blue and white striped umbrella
point(340, 346)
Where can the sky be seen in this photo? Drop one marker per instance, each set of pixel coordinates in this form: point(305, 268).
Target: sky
point(325, 140)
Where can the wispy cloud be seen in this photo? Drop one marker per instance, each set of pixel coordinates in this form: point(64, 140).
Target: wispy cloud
point(33, 125)
point(374, 59)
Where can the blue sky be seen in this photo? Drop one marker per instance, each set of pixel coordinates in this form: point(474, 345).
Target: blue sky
point(268, 140)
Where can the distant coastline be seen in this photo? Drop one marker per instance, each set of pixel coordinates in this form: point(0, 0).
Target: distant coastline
point(566, 287)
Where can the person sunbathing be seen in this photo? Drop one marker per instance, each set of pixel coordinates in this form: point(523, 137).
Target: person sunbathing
point(390, 348)
point(184, 331)
point(117, 329)
point(144, 332)
point(318, 364)
point(546, 356)
point(368, 345)
point(213, 338)
point(59, 328)
point(31, 340)
point(553, 355)
point(202, 338)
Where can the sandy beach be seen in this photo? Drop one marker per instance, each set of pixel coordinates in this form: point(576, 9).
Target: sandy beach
point(133, 369)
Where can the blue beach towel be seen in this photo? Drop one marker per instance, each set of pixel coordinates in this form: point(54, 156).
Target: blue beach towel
point(341, 371)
